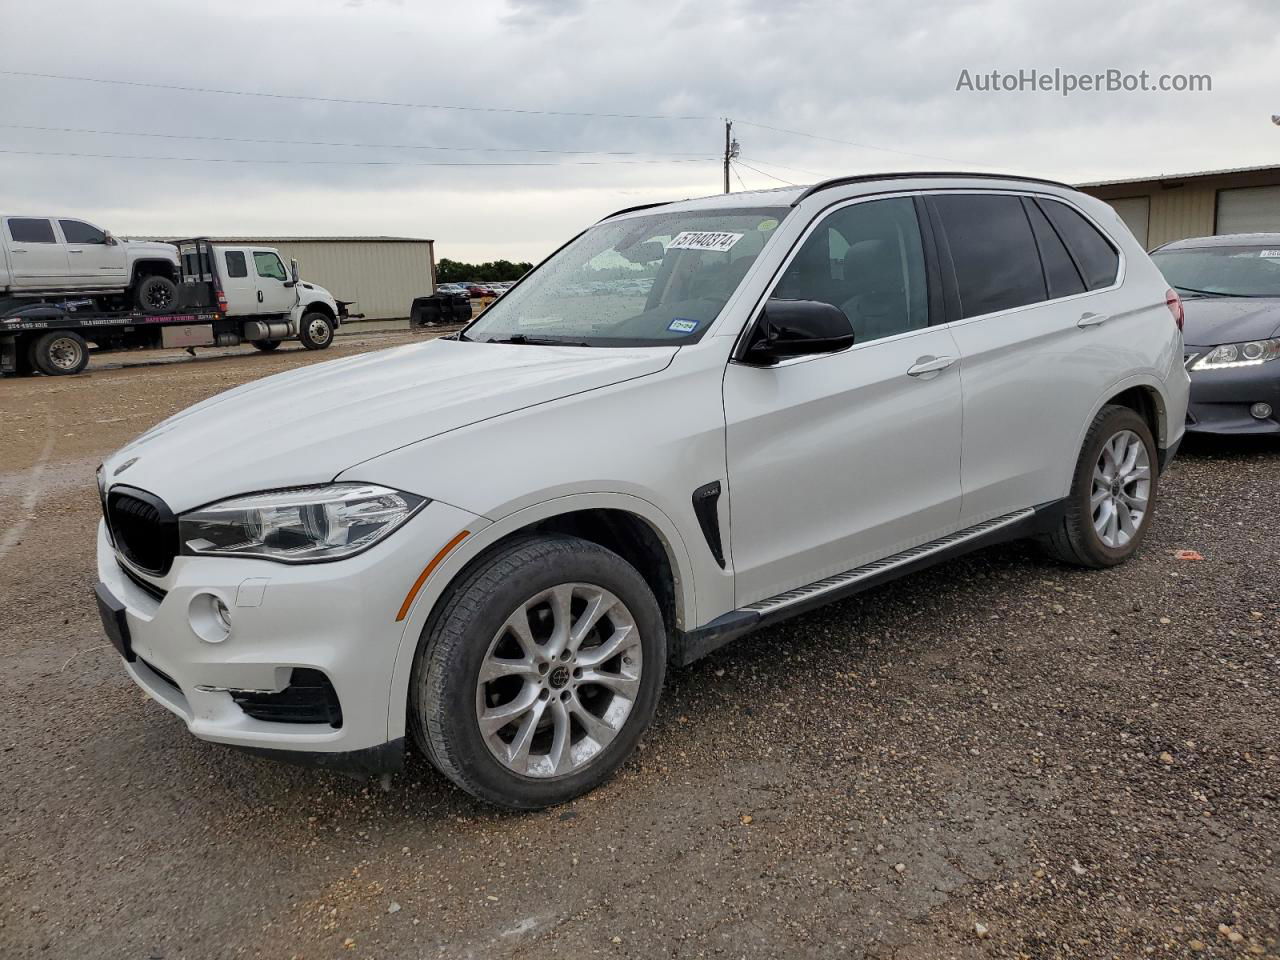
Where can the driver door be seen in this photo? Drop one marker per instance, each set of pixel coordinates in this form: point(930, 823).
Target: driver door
point(273, 295)
point(840, 459)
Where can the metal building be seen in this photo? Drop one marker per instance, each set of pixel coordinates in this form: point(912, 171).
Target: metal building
point(381, 274)
point(1173, 207)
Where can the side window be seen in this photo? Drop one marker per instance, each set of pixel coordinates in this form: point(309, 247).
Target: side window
point(1059, 270)
point(993, 251)
point(1097, 258)
point(866, 259)
point(77, 231)
point(236, 265)
point(29, 230)
point(268, 265)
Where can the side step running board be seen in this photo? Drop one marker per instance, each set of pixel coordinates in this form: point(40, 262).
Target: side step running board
point(698, 643)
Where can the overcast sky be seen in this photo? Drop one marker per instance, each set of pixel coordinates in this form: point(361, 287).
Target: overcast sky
point(878, 74)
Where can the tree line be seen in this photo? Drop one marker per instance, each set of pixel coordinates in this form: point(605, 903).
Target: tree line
point(455, 271)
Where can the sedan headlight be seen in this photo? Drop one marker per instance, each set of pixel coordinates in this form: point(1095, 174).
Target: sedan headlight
point(301, 525)
point(1238, 355)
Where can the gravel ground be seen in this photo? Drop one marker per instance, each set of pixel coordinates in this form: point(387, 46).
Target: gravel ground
point(1001, 757)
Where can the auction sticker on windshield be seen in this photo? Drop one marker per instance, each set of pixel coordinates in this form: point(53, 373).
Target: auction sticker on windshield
point(704, 240)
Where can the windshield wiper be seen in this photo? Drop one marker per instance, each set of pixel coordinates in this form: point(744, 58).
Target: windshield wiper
point(522, 339)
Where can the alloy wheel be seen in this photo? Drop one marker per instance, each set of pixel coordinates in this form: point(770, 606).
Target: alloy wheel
point(559, 680)
point(1121, 489)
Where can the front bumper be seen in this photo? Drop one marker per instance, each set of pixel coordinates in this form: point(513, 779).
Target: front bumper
point(336, 618)
point(1220, 399)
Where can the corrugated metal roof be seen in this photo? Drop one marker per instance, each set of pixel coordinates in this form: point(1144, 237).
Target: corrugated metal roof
point(1181, 176)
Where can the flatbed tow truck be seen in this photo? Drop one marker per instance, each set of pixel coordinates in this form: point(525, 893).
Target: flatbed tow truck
point(52, 336)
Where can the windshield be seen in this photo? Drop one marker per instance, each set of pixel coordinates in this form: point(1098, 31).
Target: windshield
point(640, 281)
point(1222, 271)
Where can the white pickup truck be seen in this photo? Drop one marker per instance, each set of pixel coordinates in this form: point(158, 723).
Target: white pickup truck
point(222, 295)
point(51, 256)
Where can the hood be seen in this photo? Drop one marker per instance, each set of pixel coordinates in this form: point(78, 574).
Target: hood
point(307, 425)
point(1214, 320)
point(166, 250)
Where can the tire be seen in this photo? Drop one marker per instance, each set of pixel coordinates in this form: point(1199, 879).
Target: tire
point(1077, 539)
point(60, 353)
point(315, 330)
point(470, 630)
point(266, 346)
point(156, 295)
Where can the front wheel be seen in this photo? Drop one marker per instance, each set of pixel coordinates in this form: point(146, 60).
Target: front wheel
point(540, 672)
point(315, 330)
point(1112, 493)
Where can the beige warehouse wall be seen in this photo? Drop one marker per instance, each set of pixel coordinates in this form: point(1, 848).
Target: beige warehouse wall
point(383, 278)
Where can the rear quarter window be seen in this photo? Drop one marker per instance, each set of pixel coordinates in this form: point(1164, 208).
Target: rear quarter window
point(1098, 260)
point(237, 266)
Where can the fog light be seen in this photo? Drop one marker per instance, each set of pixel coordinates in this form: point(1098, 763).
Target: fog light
point(210, 617)
point(1260, 411)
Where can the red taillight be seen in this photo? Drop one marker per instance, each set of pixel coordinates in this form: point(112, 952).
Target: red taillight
point(222, 302)
point(1174, 303)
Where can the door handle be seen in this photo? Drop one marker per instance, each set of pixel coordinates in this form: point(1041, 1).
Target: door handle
point(1092, 319)
point(75, 251)
point(259, 296)
point(927, 364)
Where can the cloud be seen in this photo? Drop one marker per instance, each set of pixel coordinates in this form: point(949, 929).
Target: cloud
point(851, 70)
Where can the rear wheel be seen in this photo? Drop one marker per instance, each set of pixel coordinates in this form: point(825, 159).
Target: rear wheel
point(315, 330)
point(60, 353)
point(1112, 493)
point(266, 346)
point(156, 295)
point(540, 673)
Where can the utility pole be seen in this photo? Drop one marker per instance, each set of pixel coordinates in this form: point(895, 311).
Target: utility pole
point(730, 150)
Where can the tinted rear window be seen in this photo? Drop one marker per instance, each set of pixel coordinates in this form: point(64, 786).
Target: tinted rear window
point(237, 266)
point(993, 251)
point(1096, 257)
point(29, 230)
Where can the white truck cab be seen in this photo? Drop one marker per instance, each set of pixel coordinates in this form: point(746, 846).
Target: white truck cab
point(256, 283)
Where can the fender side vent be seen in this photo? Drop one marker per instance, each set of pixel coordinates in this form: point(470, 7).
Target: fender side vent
point(705, 501)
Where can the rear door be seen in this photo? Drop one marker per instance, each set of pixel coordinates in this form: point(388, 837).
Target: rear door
point(235, 264)
point(92, 261)
point(271, 277)
point(1027, 312)
point(37, 258)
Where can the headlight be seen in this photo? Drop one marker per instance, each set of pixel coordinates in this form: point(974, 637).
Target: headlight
point(1239, 355)
point(301, 525)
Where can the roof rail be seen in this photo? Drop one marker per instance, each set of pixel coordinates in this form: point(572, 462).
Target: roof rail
point(641, 206)
point(869, 177)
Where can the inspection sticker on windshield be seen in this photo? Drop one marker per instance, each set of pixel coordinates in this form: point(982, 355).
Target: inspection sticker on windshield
point(681, 325)
point(704, 240)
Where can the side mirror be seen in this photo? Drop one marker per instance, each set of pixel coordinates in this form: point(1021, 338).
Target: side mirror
point(108, 239)
point(293, 270)
point(796, 328)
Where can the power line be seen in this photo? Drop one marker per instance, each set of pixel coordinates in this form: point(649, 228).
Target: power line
point(358, 163)
point(769, 175)
point(345, 100)
point(783, 166)
point(739, 176)
point(848, 143)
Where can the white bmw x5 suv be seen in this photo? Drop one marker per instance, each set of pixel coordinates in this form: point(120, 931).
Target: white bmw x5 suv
point(693, 420)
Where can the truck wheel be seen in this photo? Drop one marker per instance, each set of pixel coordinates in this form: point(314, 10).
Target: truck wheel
point(315, 330)
point(540, 672)
point(266, 346)
point(156, 295)
point(60, 353)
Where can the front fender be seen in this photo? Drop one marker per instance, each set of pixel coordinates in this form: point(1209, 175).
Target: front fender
point(477, 541)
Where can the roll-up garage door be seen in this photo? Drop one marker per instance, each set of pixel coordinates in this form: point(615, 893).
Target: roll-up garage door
point(1136, 213)
point(1248, 210)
